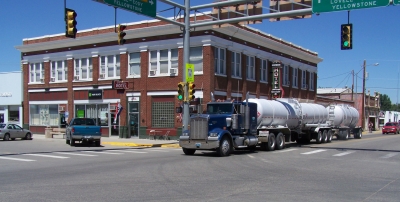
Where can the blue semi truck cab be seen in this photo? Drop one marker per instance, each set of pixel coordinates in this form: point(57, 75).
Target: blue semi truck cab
point(224, 127)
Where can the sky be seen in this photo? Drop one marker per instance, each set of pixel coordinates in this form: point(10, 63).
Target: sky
point(376, 37)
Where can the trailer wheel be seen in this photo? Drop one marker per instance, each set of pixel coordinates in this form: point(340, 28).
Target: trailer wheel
point(271, 142)
point(188, 151)
point(224, 148)
point(319, 137)
point(329, 139)
point(324, 136)
point(345, 135)
point(357, 134)
point(280, 141)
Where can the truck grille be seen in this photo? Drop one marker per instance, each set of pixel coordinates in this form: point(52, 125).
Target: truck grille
point(198, 128)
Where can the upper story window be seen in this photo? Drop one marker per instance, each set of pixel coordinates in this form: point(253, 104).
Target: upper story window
point(134, 65)
point(311, 81)
point(264, 71)
point(295, 79)
point(236, 65)
point(58, 71)
point(219, 61)
point(196, 58)
point(109, 67)
point(36, 72)
point(83, 69)
point(303, 79)
point(286, 81)
point(163, 62)
point(251, 75)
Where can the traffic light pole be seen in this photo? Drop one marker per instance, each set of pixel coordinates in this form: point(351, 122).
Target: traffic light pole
point(186, 58)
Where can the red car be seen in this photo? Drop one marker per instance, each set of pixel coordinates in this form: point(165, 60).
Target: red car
point(391, 127)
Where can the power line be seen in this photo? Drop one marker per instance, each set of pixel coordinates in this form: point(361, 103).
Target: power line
point(334, 76)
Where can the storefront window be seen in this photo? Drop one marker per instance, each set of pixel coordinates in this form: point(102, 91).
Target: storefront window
point(163, 114)
point(13, 113)
point(43, 115)
point(99, 112)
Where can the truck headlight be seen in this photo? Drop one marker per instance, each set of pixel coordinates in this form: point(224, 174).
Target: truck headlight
point(213, 134)
point(185, 134)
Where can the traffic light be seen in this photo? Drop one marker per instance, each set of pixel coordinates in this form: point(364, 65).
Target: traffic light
point(121, 34)
point(191, 92)
point(181, 91)
point(70, 23)
point(346, 37)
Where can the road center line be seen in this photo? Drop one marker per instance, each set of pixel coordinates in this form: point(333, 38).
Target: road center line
point(101, 152)
point(286, 150)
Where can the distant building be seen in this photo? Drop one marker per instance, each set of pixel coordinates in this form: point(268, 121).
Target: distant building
point(388, 116)
point(11, 97)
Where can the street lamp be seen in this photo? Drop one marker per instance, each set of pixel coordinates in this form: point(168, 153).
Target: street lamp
point(363, 92)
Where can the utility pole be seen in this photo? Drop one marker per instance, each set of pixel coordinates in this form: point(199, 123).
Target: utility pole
point(186, 58)
point(352, 86)
point(363, 98)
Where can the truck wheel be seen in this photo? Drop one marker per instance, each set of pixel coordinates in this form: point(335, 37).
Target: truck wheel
point(188, 151)
point(357, 134)
point(319, 137)
point(71, 142)
point(345, 135)
point(97, 143)
point(325, 136)
point(280, 141)
point(271, 142)
point(329, 138)
point(224, 148)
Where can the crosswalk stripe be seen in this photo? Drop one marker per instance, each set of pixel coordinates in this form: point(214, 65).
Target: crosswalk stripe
point(45, 155)
point(344, 153)
point(15, 159)
point(389, 155)
point(285, 150)
point(101, 152)
point(131, 151)
point(313, 152)
point(74, 154)
point(156, 150)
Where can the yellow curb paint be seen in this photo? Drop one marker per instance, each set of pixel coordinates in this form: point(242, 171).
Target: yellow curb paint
point(127, 144)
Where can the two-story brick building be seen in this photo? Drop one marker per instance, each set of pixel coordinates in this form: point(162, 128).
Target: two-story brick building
point(66, 77)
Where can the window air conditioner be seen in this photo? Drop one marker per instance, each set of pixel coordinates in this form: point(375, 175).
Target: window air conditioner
point(41, 79)
point(174, 70)
point(60, 108)
point(102, 76)
point(52, 79)
point(152, 72)
point(76, 77)
point(112, 107)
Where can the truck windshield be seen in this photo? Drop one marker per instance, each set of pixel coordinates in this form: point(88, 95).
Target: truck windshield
point(225, 108)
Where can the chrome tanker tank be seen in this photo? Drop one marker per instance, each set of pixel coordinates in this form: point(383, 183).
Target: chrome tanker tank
point(312, 113)
point(343, 115)
point(274, 113)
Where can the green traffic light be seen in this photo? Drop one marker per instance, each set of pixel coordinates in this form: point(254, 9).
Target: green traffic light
point(346, 43)
point(180, 97)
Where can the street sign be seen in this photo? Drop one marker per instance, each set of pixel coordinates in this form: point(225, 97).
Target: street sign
point(189, 72)
point(144, 7)
point(320, 6)
point(396, 2)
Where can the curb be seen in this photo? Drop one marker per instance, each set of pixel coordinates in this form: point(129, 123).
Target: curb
point(127, 144)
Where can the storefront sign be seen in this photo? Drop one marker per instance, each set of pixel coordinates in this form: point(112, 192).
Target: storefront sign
point(7, 94)
point(95, 94)
point(120, 85)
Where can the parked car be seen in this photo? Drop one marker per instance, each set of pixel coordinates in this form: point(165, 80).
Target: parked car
point(391, 127)
point(84, 130)
point(10, 131)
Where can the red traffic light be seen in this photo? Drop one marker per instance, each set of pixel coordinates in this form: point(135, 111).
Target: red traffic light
point(121, 28)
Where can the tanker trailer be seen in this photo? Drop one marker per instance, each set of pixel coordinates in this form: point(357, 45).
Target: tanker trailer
point(311, 122)
point(343, 119)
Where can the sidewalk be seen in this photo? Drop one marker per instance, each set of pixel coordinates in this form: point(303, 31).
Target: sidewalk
point(116, 141)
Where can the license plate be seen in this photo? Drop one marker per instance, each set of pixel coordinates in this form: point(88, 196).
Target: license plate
point(87, 137)
point(198, 145)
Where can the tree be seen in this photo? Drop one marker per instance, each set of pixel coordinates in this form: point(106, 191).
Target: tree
point(386, 104)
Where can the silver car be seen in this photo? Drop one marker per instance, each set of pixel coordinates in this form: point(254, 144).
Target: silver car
point(11, 131)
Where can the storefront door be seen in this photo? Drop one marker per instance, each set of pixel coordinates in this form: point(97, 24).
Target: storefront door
point(133, 119)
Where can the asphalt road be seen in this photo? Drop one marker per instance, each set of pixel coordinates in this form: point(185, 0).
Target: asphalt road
point(352, 170)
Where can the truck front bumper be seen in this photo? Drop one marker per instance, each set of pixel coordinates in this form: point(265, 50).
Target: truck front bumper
point(199, 144)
